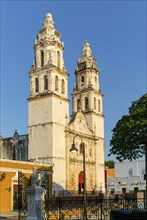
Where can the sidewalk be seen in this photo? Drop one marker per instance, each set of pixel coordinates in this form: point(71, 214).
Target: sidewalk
point(9, 215)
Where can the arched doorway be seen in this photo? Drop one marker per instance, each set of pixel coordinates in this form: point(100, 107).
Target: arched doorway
point(81, 182)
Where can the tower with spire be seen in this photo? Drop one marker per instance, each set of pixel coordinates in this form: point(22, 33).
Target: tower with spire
point(48, 103)
point(87, 93)
point(87, 122)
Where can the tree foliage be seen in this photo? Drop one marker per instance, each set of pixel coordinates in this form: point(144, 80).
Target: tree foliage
point(109, 164)
point(129, 137)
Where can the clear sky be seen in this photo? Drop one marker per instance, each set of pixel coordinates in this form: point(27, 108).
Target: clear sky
point(116, 31)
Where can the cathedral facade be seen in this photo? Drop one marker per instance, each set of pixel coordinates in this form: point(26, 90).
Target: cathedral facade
point(50, 130)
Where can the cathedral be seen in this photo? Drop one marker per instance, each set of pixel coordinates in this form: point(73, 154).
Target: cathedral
point(51, 131)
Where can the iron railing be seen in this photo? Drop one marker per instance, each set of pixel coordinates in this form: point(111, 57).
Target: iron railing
point(96, 208)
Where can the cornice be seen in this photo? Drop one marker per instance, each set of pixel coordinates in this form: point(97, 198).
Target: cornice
point(88, 69)
point(62, 72)
point(47, 67)
point(85, 90)
point(46, 94)
point(81, 161)
point(93, 112)
point(83, 135)
point(46, 123)
point(46, 42)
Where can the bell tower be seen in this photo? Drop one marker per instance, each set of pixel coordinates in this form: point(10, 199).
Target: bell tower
point(48, 103)
point(87, 94)
point(87, 100)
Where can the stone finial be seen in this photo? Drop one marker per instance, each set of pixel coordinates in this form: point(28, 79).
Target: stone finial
point(16, 135)
point(33, 65)
point(48, 15)
point(86, 52)
point(64, 66)
point(75, 86)
point(48, 22)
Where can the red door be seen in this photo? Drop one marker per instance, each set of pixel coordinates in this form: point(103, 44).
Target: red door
point(81, 182)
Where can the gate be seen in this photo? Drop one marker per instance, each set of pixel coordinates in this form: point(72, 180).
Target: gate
point(23, 183)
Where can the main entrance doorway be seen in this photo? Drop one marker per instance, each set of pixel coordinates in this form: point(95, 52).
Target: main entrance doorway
point(81, 182)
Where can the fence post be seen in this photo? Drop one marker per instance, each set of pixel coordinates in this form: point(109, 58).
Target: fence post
point(100, 206)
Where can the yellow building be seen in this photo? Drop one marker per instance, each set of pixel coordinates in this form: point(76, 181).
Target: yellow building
point(9, 180)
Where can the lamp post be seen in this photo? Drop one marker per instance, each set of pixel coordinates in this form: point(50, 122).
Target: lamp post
point(74, 149)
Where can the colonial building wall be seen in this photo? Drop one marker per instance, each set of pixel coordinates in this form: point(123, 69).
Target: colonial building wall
point(131, 168)
point(78, 130)
point(129, 177)
point(75, 161)
point(9, 180)
point(6, 148)
point(14, 148)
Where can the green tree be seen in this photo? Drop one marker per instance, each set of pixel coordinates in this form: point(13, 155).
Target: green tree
point(129, 137)
point(109, 164)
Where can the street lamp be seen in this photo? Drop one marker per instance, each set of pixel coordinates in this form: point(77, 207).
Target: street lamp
point(74, 150)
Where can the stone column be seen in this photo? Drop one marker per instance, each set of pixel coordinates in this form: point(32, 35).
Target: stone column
point(34, 197)
point(34, 202)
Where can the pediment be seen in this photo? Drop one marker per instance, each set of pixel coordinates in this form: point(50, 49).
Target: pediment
point(79, 124)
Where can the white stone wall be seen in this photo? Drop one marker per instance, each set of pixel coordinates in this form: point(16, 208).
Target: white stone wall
point(125, 181)
point(93, 151)
point(122, 168)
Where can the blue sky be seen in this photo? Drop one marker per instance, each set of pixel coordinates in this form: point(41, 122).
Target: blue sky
point(116, 31)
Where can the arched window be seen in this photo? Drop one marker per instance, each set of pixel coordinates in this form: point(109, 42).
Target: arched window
point(99, 105)
point(94, 103)
point(58, 59)
point(56, 83)
point(36, 85)
point(82, 78)
point(86, 103)
point(45, 82)
point(42, 58)
point(62, 86)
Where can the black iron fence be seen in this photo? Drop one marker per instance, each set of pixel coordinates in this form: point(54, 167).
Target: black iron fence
point(96, 208)
point(71, 205)
point(23, 183)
